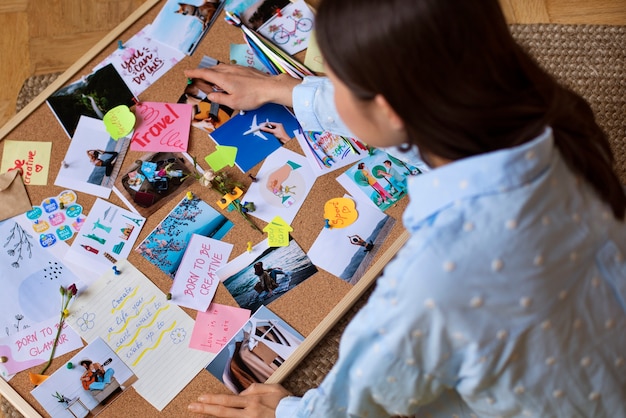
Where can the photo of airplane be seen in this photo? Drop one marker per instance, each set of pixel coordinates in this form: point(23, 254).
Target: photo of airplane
point(255, 128)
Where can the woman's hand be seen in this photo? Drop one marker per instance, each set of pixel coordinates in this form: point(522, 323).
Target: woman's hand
point(245, 88)
point(258, 401)
point(277, 129)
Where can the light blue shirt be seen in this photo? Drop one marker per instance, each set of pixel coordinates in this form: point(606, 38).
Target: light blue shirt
point(510, 294)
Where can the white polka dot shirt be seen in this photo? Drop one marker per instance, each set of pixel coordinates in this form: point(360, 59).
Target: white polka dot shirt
point(508, 300)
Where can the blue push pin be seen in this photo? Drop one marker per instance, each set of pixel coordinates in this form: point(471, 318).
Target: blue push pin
point(116, 271)
point(120, 45)
point(326, 223)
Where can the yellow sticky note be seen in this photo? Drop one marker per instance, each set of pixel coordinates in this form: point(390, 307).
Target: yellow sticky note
point(340, 212)
point(33, 158)
point(119, 121)
point(278, 232)
point(313, 58)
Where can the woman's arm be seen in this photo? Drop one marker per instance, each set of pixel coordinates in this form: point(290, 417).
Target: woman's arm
point(245, 88)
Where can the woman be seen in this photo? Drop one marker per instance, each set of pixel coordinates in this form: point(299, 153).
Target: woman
point(508, 298)
point(101, 158)
point(267, 282)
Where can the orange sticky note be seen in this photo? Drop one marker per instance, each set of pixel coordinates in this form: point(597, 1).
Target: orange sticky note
point(340, 212)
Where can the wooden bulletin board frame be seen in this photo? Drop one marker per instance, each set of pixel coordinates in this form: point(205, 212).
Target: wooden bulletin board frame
point(333, 297)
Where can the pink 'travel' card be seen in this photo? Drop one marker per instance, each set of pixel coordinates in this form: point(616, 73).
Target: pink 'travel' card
point(161, 127)
point(215, 327)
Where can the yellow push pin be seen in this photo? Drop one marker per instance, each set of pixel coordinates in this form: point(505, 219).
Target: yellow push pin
point(249, 246)
point(4, 359)
point(189, 196)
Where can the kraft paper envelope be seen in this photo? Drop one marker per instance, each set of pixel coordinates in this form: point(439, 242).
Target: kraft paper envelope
point(13, 197)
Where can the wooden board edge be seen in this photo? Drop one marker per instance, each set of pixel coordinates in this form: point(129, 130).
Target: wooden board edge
point(344, 305)
point(17, 401)
point(110, 38)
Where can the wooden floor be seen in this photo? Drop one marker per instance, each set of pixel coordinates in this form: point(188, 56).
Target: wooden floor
point(42, 37)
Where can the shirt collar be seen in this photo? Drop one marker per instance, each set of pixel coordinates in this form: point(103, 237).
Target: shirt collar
point(482, 174)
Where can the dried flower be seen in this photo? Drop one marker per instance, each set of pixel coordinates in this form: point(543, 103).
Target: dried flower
point(206, 178)
point(67, 294)
point(223, 184)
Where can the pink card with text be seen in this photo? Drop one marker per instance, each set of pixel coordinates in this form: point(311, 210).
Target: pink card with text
point(161, 127)
point(215, 327)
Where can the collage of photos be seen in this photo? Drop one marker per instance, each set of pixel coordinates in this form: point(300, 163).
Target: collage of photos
point(123, 329)
point(155, 179)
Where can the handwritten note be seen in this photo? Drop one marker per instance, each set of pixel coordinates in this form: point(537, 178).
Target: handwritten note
point(142, 61)
point(340, 212)
point(278, 232)
point(150, 334)
point(162, 127)
point(32, 346)
point(215, 327)
point(195, 282)
point(33, 158)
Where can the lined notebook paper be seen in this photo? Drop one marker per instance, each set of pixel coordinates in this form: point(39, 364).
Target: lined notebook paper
point(148, 332)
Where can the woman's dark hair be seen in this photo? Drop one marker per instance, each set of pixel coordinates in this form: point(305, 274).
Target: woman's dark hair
point(462, 85)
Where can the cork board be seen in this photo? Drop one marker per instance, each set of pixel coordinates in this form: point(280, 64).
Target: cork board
point(312, 307)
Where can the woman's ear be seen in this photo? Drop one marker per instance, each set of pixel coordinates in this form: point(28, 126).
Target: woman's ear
point(395, 122)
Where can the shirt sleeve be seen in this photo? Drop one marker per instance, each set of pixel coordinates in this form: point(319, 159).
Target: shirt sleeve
point(314, 106)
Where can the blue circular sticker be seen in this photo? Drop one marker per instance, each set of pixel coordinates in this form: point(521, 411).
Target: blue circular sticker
point(34, 213)
point(74, 211)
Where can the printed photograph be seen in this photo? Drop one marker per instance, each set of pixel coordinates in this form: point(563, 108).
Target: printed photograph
point(282, 184)
point(348, 252)
point(328, 152)
point(93, 96)
point(153, 180)
point(265, 274)
point(256, 351)
point(254, 13)
point(96, 378)
point(207, 116)
point(291, 28)
point(165, 245)
point(257, 133)
point(183, 24)
point(93, 159)
point(107, 235)
point(379, 179)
